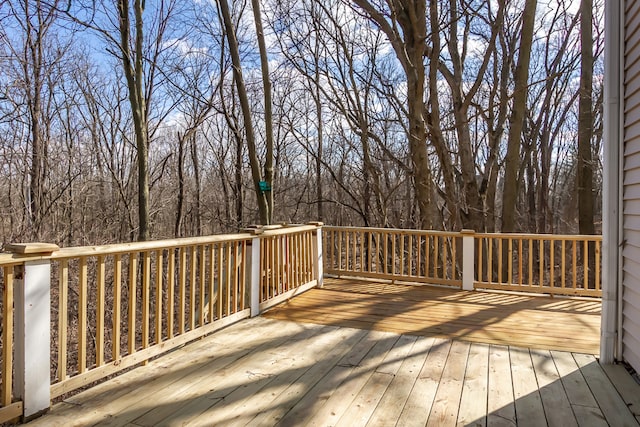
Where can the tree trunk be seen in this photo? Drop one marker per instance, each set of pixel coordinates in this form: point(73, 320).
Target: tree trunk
point(585, 122)
point(261, 199)
point(134, 73)
point(521, 81)
point(268, 110)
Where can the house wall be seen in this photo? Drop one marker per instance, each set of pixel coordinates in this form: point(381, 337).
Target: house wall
point(631, 184)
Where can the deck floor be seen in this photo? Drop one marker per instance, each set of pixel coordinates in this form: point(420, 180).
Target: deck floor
point(541, 322)
point(266, 371)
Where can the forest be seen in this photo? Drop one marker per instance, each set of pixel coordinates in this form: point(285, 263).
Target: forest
point(126, 120)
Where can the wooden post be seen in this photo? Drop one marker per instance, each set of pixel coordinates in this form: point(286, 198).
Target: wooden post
point(317, 253)
point(33, 328)
point(468, 259)
point(253, 270)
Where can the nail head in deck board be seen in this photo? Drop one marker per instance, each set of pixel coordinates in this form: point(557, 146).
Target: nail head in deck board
point(613, 407)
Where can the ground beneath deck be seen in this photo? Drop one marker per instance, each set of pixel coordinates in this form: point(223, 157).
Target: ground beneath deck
point(264, 372)
point(489, 317)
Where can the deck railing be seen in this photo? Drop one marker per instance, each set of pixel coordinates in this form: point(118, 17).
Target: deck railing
point(115, 306)
point(552, 264)
point(383, 253)
point(541, 263)
point(89, 312)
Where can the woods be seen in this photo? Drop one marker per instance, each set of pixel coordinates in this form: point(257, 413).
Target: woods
point(139, 120)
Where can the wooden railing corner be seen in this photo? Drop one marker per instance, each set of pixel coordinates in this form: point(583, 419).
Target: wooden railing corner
point(32, 305)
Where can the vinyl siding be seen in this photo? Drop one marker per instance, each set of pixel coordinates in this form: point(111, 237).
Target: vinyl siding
point(631, 187)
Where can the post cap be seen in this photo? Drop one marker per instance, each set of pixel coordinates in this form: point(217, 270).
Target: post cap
point(467, 231)
point(316, 223)
point(31, 248)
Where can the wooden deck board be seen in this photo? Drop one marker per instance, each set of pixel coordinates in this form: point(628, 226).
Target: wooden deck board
point(485, 317)
point(265, 371)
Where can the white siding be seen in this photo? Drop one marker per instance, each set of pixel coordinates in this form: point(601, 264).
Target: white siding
point(631, 186)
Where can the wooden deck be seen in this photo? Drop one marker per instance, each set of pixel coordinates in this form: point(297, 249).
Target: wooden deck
point(486, 317)
point(266, 371)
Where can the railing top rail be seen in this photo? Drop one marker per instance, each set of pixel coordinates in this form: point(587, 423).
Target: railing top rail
point(393, 230)
point(8, 259)
point(534, 236)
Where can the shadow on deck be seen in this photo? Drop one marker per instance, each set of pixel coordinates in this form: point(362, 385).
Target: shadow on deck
point(323, 371)
point(568, 324)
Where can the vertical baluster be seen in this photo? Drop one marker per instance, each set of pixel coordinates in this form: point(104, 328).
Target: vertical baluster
point(63, 312)
point(7, 337)
point(100, 313)
point(394, 236)
point(82, 316)
point(243, 272)
point(133, 278)
point(182, 290)
point(171, 286)
point(235, 277)
point(370, 254)
point(117, 295)
point(510, 261)
point(490, 259)
point(445, 249)
point(201, 270)
point(541, 261)
point(552, 263)
point(419, 255)
point(585, 260)
point(479, 259)
point(410, 260)
point(530, 262)
point(597, 261)
point(362, 257)
point(574, 263)
point(277, 241)
point(436, 254)
point(402, 270)
point(158, 314)
point(563, 257)
point(213, 296)
point(353, 252)
point(454, 259)
point(228, 267)
point(221, 284)
point(520, 261)
point(346, 250)
point(500, 261)
point(340, 257)
point(146, 288)
point(193, 286)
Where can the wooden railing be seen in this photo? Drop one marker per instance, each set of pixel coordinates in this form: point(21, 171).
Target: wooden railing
point(553, 264)
point(117, 306)
point(288, 262)
point(10, 407)
point(402, 255)
point(541, 263)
